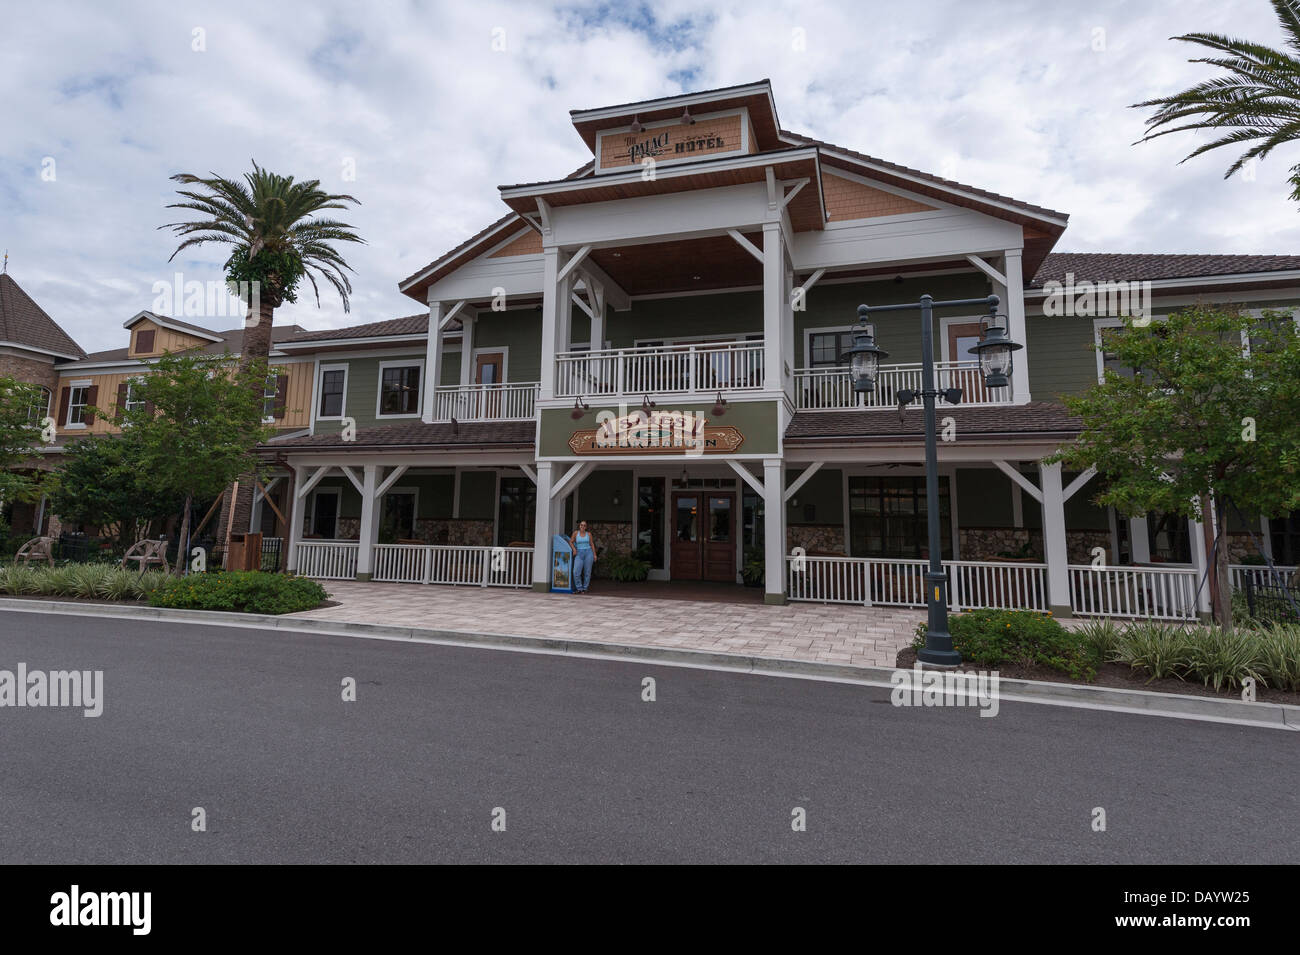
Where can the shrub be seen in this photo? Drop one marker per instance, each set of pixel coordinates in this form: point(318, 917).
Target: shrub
point(243, 591)
point(1217, 657)
point(1161, 649)
point(1279, 656)
point(993, 638)
point(624, 568)
point(1102, 636)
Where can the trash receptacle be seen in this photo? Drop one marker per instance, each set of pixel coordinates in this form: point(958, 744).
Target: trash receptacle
point(561, 565)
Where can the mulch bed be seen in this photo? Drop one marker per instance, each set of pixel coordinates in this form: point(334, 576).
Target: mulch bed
point(1122, 677)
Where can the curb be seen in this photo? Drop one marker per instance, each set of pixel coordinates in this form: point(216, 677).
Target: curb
point(1206, 709)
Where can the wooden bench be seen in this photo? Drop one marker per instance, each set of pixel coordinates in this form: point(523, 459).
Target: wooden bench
point(38, 548)
point(147, 553)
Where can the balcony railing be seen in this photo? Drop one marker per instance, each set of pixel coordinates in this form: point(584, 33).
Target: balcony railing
point(511, 401)
point(660, 370)
point(832, 388)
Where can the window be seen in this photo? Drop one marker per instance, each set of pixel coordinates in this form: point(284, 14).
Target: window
point(1169, 537)
point(1285, 532)
point(397, 520)
point(650, 520)
point(887, 517)
point(517, 511)
point(333, 385)
point(825, 348)
point(270, 393)
point(399, 389)
point(41, 408)
point(132, 399)
point(78, 398)
point(144, 341)
point(1107, 360)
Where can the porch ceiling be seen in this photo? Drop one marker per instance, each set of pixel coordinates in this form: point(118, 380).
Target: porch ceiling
point(656, 267)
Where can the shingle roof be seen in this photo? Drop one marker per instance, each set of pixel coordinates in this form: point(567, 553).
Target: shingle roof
point(852, 427)
point(928, 177)
point(1138, 267)
point(408, 325)
point(417, 434)
point(23, 322)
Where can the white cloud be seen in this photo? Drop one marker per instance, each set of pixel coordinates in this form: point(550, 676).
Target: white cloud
point(1013, 93)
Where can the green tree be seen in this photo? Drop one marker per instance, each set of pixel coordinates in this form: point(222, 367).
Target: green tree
point(194, 427)
point(21, 430)
point(1256, 101)
point(102, 481)
point(271, 222)
point(1202, 421)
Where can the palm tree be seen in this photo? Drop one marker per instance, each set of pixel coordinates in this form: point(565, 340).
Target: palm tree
point(270, 221)
point(1257, 100)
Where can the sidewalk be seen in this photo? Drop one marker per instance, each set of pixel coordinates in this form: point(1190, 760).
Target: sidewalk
point(827, 633)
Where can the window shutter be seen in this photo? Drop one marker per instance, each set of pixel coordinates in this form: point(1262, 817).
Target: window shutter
point(148, 407)
point(281, 395)
point(144, 341)
point(122, 391)
point(92, 395)
point(65, 396)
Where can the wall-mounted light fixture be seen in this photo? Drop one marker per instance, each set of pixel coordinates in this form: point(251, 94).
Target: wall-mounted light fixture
point(580, 409)
point(687, 118)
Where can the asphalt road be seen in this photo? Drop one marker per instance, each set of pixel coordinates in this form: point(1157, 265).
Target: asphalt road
point(250, 725)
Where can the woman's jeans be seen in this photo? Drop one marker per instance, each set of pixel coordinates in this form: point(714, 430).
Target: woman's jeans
point(582, 561)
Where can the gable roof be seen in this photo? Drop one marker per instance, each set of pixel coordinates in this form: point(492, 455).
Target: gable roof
point(175, 324)
point(24, 323)
point(231, 340)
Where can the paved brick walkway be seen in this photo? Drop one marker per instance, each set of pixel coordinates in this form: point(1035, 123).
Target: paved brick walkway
point(801, 631)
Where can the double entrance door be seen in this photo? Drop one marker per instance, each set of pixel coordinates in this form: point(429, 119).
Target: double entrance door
point(704, 535)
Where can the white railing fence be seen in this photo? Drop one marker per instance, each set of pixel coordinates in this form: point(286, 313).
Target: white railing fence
point(660, 370)
point(328, 560)
point(824, 388)
point(887, 582)
point(1260, 576)
point(451, 564)
point(486, 402)
point(1156, 593)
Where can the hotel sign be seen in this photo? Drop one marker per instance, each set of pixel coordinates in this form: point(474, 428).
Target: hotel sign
point(659, 432)
point(670, 141)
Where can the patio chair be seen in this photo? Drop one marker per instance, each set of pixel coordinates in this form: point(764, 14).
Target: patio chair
point(147, 553)
point(38, 548)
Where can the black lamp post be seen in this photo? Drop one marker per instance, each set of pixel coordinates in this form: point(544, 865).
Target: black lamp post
point(994, 352)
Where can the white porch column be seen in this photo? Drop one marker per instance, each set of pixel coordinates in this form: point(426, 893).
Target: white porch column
point(1200, 560)
point(543, 522)
point(296, 504)
point(775, 306)
point(774, 531)
point(432, 362)
point(369, 526)
point(468, 322)
point(557, 309)
point(597, 336)
point(1054, 542)
point(1014, 302)
point(1139, 540)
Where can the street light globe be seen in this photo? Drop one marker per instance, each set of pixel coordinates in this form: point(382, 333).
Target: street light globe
point(994, 351)
point(864, 357)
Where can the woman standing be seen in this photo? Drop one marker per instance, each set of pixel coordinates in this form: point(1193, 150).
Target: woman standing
point(584, 556)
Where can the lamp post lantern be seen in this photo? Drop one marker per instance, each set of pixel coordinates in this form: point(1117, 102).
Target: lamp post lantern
point(995, 355)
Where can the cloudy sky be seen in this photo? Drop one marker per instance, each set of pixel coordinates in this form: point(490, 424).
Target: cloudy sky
point(1025, 98)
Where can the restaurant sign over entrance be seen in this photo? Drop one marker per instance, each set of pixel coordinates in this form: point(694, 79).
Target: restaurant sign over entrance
point(658, 432)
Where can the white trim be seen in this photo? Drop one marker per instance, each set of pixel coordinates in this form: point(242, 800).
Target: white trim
point(1237, 279)
point(672, 102)
point(19, 346)
point(634, 174)
point(168, 324)
point(458, 251)
point(379, 387)
point(321, 369)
